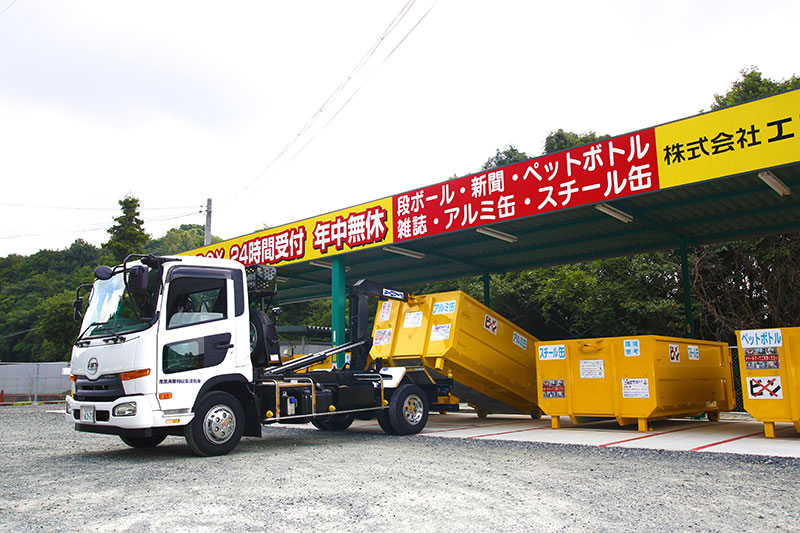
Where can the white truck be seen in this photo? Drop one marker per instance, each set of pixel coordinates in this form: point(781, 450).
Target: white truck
point(171, 346)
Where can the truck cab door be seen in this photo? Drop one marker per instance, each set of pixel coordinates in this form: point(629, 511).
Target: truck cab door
point(197, 332)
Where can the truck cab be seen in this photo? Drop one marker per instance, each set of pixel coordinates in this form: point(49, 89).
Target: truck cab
point(171, 346)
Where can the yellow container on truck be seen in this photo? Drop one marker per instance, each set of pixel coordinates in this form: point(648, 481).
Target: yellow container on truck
point(633, 379)
point(451, 334)
point(769, 360)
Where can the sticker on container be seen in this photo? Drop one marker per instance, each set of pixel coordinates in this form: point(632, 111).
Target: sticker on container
point(551, 352)
point(553, 388)
point(386, 311)
point(592, 369)
point(440, 332)
point(490, 324)
point(520, 341)
point(632, 348)
point(413, 320)
point(382, 337)
point(694, 353)
point(761, 338)
point(674, 353)
point(761, 358)
point(764, 388)
point(444, 308)
point(635, 388)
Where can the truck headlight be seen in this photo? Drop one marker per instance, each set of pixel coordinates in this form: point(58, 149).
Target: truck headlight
point(125, 409)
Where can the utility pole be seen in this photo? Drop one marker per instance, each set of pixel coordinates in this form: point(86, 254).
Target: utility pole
point(207, 239)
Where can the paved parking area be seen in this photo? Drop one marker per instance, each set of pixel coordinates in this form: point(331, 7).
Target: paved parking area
point(735, 433)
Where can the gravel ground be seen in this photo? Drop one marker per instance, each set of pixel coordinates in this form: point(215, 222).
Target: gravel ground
point(53, 478)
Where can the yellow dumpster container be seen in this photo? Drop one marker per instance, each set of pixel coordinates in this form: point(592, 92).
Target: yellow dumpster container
point(769, 360)
point(490, 359)
point(633, 379)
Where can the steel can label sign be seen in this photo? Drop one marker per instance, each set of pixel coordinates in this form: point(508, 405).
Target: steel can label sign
point(761, 338)
point(440, 332)
point(764, 388)
point(761, 358)
point(383, 337)
point(552, 352)
point(553, 388)
point(635, 388)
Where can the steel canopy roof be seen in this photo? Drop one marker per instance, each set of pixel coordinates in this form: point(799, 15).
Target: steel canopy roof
point(719, 210)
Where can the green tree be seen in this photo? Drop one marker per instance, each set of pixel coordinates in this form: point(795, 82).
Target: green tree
point(177, 240)
point(751, 86)
point(127, 234)
point(507, 157)
point(563, 140)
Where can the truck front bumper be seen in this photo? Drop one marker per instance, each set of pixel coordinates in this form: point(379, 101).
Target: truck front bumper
point(128, 415)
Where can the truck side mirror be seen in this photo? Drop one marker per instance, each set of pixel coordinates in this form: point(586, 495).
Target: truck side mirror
point(137, 280)
point(77, 306)
point(103, 272)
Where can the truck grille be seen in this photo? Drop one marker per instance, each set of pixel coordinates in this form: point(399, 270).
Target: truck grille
point(106, 388)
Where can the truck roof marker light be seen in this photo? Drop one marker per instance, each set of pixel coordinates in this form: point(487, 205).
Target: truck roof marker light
point(125, 376)
point(403, 251)
point(497, 234)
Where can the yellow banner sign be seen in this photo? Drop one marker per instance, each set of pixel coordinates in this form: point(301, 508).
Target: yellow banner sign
point(362, 226)
point(744, 138)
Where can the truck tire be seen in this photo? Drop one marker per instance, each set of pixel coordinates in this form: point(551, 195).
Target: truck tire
point(258, 338)
point(144, 442)
point(408, 410)
point(334, 422)
point(384, 423)
point(217, 426)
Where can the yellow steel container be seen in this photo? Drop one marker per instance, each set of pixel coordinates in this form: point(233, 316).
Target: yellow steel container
point(769, 360)
point(633, 379)
point(490, 359)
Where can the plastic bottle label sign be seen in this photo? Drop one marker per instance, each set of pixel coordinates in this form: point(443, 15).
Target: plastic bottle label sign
point(635, 388)
point(552, 352)
point(761, 338)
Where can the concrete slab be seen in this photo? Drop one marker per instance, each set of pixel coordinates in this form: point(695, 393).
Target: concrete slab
point(735, 433)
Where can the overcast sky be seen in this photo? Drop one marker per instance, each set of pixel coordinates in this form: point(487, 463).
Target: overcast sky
point(279, 111)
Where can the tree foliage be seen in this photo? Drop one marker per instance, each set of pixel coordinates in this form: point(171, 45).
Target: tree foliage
point(563, 140)
point(127, 234)
point(751, 86)
point(180, 239)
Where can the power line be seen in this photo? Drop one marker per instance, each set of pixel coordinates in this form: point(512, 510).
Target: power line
point(8, 6)
point(75, 208)
point(354, 72)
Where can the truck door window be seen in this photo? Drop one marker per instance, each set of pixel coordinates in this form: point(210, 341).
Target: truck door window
point(195, 301)
point(196, 353)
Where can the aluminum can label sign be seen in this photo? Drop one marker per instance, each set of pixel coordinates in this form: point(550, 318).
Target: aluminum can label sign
point(444, 308)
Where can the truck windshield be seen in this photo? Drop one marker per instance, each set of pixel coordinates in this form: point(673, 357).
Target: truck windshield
point(111, 309)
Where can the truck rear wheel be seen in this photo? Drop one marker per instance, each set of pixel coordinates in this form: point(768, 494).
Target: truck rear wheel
point(217, 426)
point(384, 423)
point(143, 442)
point(334, 422)
point(408, 410)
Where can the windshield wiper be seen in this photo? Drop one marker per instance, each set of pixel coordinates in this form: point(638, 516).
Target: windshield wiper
point(82, 343)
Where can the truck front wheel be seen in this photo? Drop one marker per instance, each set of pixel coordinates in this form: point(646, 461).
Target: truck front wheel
point(408, 410)
point(144, 442)
point(217, 426)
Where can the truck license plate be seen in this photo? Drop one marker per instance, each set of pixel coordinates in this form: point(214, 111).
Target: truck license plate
point(87, 413)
